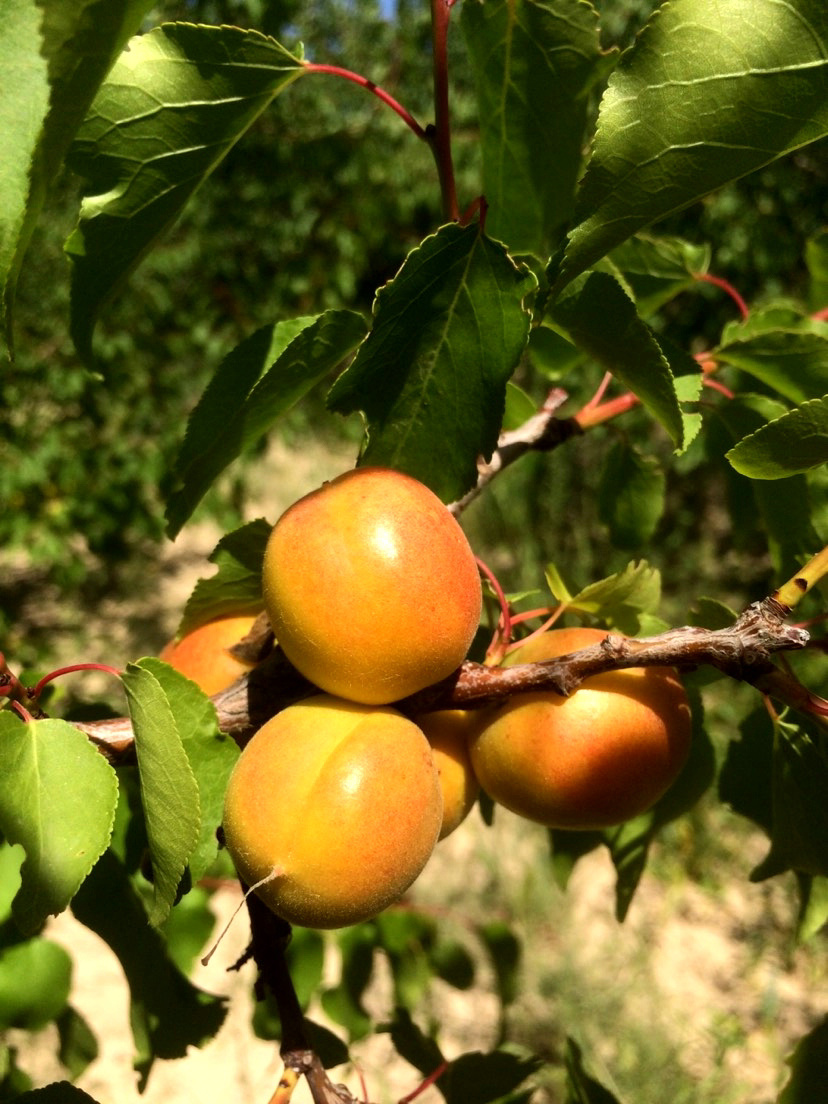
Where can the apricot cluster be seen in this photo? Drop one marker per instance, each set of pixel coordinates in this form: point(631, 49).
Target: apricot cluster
point(336, 804)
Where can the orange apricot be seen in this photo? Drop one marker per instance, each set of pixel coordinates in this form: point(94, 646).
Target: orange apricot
point(203, 655)
point(338, 806)
point(448, 731)
point(594, 759)
point(371, 587)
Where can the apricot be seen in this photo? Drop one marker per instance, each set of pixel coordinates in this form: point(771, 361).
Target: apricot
point(338, 805)
point(371, 587)
point(594, 759)
point(203, 656)
point(448, 731)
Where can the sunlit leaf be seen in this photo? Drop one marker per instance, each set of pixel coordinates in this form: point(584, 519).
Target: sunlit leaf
point(622, 598)
point(236, 586)
point(35, 977)
point(431, 375)
point(174, 104)
point(534, 64)
point(795, 442)
point(57, 799)
point(706, 94)
point(169, 792)
point(54, 55)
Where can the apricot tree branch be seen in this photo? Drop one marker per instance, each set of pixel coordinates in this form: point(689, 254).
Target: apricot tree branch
point(743, 651)
point(542, 432)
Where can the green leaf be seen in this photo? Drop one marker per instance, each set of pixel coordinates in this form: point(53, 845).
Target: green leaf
point(256, 383)
point(657, 269)
point(174, 104)
point(581, 1088)
point(57, 799)
point(808, 1063)
point(630, 495)
point(813, 913)
point(169, 791)
point(168, 1014)
point(746, 776)
point(210, 753)
point(602, 320)
point(431, 375)
point(793, 361)
point(800, 815)
point(236, 586)
point(795, 442)
point(61, 1092)
point(343, 1003)
point(78, 1045)
point(35, 978)
point(534, 65)
point(816, 258)
point(566, 847)
point(54, 55)
point(412, 1044)
point(706, 94)
point(451, 961)
point(477, 1078)
point(621, 599)
point(505, 951)
point(784, 505)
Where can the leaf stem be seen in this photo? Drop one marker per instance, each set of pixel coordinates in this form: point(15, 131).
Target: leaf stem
point(375, 89)
point(726, 286)
point(439, 135)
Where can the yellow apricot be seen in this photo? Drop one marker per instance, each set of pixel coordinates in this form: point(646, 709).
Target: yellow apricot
point(371, 587)
point(203, 656)
point(338, 805)
point(594, 759)
point(448, 731)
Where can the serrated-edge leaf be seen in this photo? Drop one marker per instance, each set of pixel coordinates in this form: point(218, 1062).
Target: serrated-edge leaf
point(255, 384)
point(169, 792)
point(236, 587)
point(706, 94)
point(638, 586)
point(793, 443)
point(601, 318)
point(175, 103)
point(210, 753)
point(431, 375)
point(57, 800)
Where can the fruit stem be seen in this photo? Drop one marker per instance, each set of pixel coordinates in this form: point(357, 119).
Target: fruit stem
point(503, 631)
point(726, 286)
point(37, 690)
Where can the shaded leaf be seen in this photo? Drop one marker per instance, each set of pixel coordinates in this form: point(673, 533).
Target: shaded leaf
point(57, 799)
point(431, 375)
point(816, 258)
point(236, 587)
point(657, 269)
point(794, 442)
point(419, 1050)
point(534, 64)
point(168, 1014)
point(343, 1002)
point(746, 776)
point(581, 1087)
point(601, 319)
point(478, 1078)
point(706, 94)
point(505, 951)
point(54, 55)
point(78, 1045)
point(174, 104)
point(793, 362)
point(169, 791)
point(630, 495)
point(813, 912)
point(254, 385)
point(808, 1064)
point(61, 1092)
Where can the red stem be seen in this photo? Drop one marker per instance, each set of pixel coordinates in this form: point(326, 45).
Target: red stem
point(604, 412)
point(439, 136)
point(726, 286)
point(380, 93)
point(37, 690)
